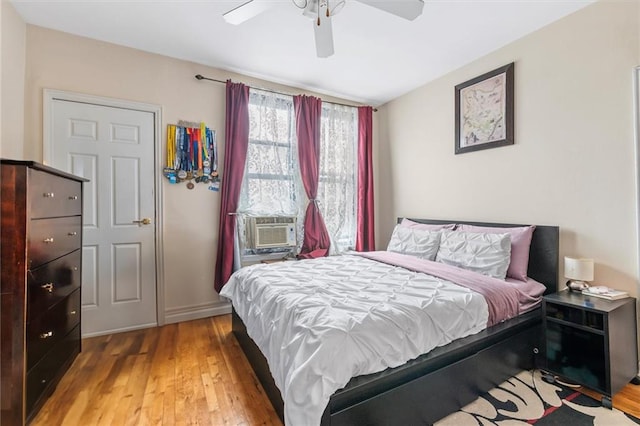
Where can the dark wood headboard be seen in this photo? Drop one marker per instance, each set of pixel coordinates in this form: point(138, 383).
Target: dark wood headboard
point(543, 254)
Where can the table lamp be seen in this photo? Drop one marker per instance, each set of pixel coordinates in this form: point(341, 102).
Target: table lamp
point(579, 272)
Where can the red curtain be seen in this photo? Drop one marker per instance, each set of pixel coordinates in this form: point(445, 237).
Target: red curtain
point(236, 144)
point(308, 110)
point(365, 238)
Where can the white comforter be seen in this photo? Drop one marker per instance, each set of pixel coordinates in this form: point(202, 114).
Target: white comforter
point(321, 322)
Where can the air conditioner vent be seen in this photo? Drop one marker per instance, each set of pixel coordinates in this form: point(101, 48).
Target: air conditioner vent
point(271, 232)
point(273, 219)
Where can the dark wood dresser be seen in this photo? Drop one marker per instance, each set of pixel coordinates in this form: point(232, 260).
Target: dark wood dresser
point(41, 255)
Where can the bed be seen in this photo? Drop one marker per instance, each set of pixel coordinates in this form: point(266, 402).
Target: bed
point(434, 384)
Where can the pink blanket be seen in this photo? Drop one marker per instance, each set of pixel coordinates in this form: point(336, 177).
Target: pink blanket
point(502, 297)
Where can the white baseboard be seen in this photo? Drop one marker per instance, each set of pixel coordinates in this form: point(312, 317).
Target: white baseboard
point(120, 330)
point(174, 315)
point(188, 313)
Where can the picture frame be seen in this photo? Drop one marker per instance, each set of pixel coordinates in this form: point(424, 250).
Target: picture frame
point(484, 111)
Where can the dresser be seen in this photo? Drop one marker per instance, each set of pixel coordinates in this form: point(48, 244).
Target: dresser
point(41, 258)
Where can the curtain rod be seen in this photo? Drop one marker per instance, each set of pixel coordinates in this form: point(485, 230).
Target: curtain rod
point(201, 77)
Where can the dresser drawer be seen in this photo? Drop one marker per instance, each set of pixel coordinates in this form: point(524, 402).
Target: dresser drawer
point(52, 282)
point(43, 373)
point(49, 328)
point(53, 196)
point(53, 238)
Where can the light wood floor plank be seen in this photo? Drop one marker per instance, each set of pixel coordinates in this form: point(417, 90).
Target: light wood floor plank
point(192, 373)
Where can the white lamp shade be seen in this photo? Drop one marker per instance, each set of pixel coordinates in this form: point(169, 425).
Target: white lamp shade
point(578, 269)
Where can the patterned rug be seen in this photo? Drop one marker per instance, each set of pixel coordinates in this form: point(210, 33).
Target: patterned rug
point(526, 399)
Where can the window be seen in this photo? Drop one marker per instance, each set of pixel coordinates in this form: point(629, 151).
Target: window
point(337, 189)
point(272, 184)
point(269, 186)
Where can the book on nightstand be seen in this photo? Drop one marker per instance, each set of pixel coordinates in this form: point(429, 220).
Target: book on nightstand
point(604, 292)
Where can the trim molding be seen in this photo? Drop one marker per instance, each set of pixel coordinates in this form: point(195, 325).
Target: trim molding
point(49, 95)
point(636, 133)
point(188, 313)
point(118, 330)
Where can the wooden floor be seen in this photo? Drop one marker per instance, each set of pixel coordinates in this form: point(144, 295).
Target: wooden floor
point(180, 374)
point(192, 373)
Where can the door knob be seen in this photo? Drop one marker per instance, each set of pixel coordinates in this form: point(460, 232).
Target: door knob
point(144, 221)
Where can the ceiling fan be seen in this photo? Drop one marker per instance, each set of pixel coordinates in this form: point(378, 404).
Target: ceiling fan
point(321, 11)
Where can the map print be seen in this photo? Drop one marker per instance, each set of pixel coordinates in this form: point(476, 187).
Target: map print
point(483, 110)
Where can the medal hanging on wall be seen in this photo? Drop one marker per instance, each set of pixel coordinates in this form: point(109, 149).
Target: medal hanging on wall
point(170, 170)
point(191, 155)
point(213, 161)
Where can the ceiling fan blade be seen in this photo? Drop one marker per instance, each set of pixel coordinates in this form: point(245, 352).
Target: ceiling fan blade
point(246, 11)
point(323, 34)
point(407, 9)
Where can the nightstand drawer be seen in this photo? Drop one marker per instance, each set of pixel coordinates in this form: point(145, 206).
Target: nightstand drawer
point(53, 196)
point(575, 352)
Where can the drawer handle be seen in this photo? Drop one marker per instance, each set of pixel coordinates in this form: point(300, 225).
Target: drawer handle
point(72, 313)
point(48, 240)
point(46, 335)
point(48, 195)
point(73, 197)
point(75, 268)
point(72, 234)
point(48, 287)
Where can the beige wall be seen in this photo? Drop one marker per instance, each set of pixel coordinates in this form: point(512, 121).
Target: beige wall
point(573, 162)
point(13, 35)
point(61, 61)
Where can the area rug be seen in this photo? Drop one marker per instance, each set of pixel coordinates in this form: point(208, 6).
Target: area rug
point(526, 399)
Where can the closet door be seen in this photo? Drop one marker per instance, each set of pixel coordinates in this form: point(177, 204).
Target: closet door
point(114, 149)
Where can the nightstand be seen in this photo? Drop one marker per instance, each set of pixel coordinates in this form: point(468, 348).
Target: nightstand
point(591, 341)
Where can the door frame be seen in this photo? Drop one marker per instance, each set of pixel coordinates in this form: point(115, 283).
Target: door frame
point(49, 96)
point(636, 136)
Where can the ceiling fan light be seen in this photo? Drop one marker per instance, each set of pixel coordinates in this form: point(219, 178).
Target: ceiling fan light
point(300, 4)
point(310, 8)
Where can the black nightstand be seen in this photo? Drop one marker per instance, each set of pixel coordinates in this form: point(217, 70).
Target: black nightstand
point(591, 341)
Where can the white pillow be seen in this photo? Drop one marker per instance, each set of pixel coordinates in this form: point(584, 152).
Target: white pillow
point(415, 242)
point(487, 254)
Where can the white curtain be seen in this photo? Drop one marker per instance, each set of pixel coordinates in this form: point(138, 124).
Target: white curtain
point(269, 186)
point(338, 174)
point(272, 185)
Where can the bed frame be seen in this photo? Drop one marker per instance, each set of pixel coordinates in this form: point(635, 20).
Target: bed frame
point(430, 387)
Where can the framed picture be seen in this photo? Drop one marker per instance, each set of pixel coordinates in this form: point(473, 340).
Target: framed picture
point(484, 111)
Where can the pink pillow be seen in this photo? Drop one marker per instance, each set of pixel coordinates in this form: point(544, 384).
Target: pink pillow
point(520, 244)
point(426, 226)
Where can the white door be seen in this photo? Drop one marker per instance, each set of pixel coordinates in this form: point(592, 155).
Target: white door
point(114, 149)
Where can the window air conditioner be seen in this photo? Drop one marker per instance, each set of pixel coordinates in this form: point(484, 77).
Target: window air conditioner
point(271, 232)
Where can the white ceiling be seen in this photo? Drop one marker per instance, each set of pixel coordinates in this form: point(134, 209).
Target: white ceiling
point(378, 56)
